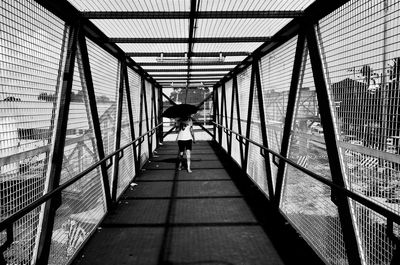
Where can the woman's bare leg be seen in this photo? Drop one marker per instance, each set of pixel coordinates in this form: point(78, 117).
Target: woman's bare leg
point(180, 160)
point(188, 161)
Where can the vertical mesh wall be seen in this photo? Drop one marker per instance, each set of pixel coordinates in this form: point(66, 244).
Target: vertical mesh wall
point(126, 163)
point(361, 44)
point(256, 166)
point(134, 86)
point(235, 153)
point(228, 100)
point(86, 195)
point(307, 202)
point(105, 75)
point(31, 61)
point(223, 117)
point(243, 80)
point(276, 74)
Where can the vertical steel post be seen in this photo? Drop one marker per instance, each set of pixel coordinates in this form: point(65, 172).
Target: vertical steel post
point(297, 69)
point(160, 129)
point(118, 131)
point(267, 160)
point(95, 116)
point(223, 106)
point(248, 125)
point(215, 110)
point(49, 209)
point(239, 121)
point(153, 99)
point(149, 140)
point(220, 116)
point(130, 113)
point(140, 125)
point(344, 209)
point(231, 121)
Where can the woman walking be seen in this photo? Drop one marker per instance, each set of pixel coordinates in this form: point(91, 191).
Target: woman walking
point(185, 139)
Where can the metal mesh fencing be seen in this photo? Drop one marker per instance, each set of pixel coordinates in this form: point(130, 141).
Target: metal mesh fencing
point(83, 204)
point(256, 166)
point(31, 61)
point(126, 163)
point(235, 152)
point(276, 73)
point(105, 75)
point(360, 43)
point(134, 87)
point(306, 202)
point(243, 81)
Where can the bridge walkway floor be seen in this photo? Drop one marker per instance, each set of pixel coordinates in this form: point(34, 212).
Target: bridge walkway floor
point(213, 215)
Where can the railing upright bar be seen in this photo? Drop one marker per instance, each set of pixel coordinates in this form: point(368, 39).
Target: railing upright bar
point(118, 131)
point(48, 212)
point(267, 160)
point(296, 72)
point(130, 113)
point(95, 116)
point(345, 216)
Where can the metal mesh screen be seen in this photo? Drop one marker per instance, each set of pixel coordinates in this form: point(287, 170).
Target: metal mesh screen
point(82, 202)
point(361, 42)
point(307, 202)
point(31, 60)
point(134, 87)
point(256, 166)
point(105, 74)
point(235, 153)
point(243, 81)
point(224, 115)
point(126, 163)
point(276, 71)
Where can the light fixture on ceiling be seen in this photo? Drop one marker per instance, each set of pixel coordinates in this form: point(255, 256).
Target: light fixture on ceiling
point(185, 59)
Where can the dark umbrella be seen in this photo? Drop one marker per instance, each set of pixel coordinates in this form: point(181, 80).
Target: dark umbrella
point(181, 110)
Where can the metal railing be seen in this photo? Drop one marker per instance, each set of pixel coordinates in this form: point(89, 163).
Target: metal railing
point(7, 224)
point(391, 217)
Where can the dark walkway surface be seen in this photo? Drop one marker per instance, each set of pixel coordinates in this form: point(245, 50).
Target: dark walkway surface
point(211, 216)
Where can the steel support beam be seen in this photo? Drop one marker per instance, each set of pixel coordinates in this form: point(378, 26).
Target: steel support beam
point(248, 127)
point(49, 209)
point(236, 91)
point(233, 63)
point(183, 54)
point(299, 62)
point(226, 115)
point(118, 133)
point(267, 160)
point(231, 121)
point(142, 91)
point(187, 15)
point(130, 114)
point(191, 70)
point(186, 40)
point(146, 109)
point(95, 116)
point(191, 75)
point(327, 120)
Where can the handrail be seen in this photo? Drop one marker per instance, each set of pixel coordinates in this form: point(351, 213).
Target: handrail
point(14, 217)
point(391, 216)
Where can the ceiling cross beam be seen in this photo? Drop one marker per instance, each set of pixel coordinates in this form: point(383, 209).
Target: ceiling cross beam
point(183, 54)
point(187, 40)
point(187, 15)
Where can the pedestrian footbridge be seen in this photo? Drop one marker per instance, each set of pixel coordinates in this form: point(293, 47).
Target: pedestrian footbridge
point(297, 122)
